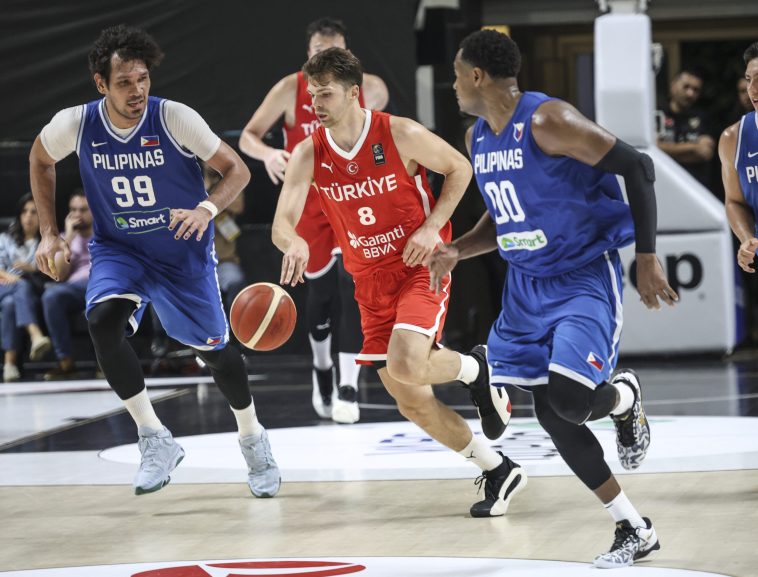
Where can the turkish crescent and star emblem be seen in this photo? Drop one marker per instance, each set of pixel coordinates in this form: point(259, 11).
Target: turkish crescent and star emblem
point(352, 168)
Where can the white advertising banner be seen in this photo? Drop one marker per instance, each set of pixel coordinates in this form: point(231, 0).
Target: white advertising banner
point(699, 266)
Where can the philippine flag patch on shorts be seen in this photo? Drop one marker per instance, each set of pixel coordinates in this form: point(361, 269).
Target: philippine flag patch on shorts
point(595, 361)
point(213, 341)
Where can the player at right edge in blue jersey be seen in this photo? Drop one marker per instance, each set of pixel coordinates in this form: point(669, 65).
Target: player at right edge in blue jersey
point(152, 242)
point(556, 214)
point(738, 149)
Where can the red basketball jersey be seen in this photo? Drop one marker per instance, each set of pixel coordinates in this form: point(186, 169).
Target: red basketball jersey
point(371, 201)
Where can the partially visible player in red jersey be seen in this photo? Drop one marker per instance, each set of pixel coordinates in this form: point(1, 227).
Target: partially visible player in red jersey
point(368, 169)
point(329, 281)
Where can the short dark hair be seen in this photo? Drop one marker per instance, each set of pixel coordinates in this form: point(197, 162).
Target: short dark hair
point(130, 43)
point(493, 52)
point(695, 71)
point(326, 27)
point(336, 64)
point(751, 53)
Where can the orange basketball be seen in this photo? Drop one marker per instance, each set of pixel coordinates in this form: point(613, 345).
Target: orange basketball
point(263, 316)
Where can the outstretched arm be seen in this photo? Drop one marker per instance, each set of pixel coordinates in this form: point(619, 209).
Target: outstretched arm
point(559, 129)
point(289, 209)
point(280, 101)
point(738, 211)
point(234, 177)
point(42, 175)
point(418, 146)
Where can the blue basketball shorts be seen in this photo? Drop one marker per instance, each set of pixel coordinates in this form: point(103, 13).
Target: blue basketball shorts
point(569, 324)
point(190, 309)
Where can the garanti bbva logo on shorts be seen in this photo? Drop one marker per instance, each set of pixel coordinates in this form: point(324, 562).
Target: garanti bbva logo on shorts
point(377, 245)
point(142, 221)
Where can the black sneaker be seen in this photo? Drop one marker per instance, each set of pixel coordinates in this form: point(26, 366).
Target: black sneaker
point(500, 485)
point(323, 387)
point(492, 403)
point(629, 545)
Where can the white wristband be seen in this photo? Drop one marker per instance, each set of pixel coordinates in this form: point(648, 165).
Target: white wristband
point(210, 207)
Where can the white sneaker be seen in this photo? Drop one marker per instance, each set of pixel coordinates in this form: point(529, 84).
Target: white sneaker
point(629, 545)
point(10, 373)
point(345, 408)
point(160, 455)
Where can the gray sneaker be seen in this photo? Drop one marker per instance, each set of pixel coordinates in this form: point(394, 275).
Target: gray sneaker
point(632, 428)
point(629, 545)
point(160, 455)
point(263, 476)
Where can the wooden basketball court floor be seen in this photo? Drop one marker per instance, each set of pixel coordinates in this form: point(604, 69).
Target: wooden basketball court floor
point(378, 489)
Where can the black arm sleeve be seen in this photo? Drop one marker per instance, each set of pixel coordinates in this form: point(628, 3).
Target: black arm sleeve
point(639, 175)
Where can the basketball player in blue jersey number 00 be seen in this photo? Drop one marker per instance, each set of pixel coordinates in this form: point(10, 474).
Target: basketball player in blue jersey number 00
point(556, 213)
point(153, 240)
point(738, 149)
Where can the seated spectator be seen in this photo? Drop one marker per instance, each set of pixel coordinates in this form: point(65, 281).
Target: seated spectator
point(62, 299)
point(19, 298)
point(231, 277)
point(686, 133)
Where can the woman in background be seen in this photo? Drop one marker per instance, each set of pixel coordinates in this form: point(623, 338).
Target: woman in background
point(19, 299)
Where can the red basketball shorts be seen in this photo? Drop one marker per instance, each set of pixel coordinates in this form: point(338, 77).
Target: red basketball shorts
point(398, 299)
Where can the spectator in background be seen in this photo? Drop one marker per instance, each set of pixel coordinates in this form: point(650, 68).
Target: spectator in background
point(742, 104)
point(62, 299)
point(19, 298)
point(686, 131)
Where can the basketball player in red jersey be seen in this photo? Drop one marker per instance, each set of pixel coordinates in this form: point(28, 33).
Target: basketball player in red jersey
point(368, 170)
point(328, 280)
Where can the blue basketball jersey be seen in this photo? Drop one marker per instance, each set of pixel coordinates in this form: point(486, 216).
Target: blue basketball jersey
point(746, 160)
point(132, 183)
point(553, 214)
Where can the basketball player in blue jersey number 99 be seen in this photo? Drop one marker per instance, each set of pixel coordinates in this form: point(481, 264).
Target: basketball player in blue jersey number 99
point(153, 240)
point(555, 212)
point(738, 149)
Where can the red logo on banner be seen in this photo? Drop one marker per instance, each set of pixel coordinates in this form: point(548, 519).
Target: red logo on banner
point(260, 569)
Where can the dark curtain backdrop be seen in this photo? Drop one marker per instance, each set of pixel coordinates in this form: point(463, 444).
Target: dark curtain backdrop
point(222, 56)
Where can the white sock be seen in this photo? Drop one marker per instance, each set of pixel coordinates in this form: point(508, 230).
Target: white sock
point(626, 398)
point(621, 508)
point(481, 454)
point(322, 353)
point(469, 369)
point(141, 410)
point(349, 369)
point(247, 421)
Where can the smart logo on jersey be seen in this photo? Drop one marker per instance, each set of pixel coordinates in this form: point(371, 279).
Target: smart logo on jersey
point(140, 222)
point(528, 240)
point(149, 140)
point(378, 244)
point(518, 131)
point(595, 361)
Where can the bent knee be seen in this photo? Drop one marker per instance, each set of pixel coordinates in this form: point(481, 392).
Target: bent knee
point(569, 399)
point(407, 368)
